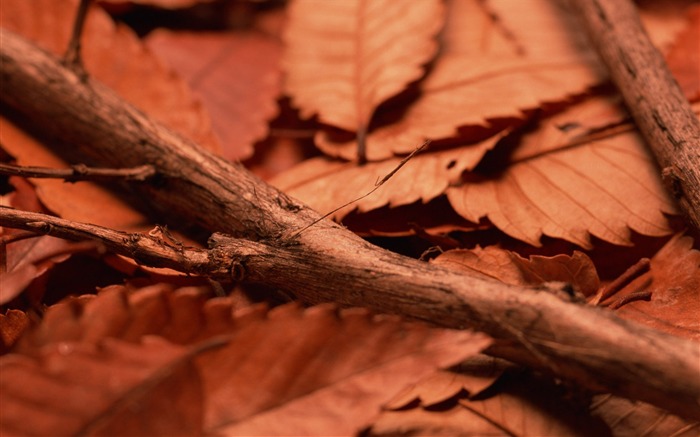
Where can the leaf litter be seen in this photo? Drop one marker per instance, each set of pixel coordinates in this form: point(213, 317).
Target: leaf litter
point(90, 330)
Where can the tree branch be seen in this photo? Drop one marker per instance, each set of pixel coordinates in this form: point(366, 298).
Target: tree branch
point(662, 112)
point(541, 326)
point(145, 249)
point(80, 172)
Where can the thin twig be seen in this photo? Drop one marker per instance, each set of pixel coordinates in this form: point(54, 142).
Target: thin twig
point(632, 297)
point(376, 187)
point(80, 172)
point(642, 266)
point(73, 57)
point(146, 249)
point(17, 237)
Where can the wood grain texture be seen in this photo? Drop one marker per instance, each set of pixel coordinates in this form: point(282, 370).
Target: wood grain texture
point(653, 96)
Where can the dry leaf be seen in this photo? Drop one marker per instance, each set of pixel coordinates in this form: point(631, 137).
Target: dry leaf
point(663, 21)
point(236, 74)
point(13, 324)
point(28, 259)
point(472, 30)
point(344, 58)
point(113, 388)
point(564, 185)
point(36, 260)
point(519, 405)
point(184, 317)
point(472, 377)
point(165, 4)
point(492, 83)
point(683, 58)
point(71, 201)
point(509, 267)
point(532, 26)
point(632, 418)
point(114, 56)
point(285, 371)
point(674, 283)
point(333, 374)
point(411, 219)
point(326, 184)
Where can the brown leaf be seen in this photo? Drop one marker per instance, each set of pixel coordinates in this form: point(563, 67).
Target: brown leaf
point(683, 57)
point(184, 317)
point(496, 80)
point(632, 418)
point(663, 21)
point(285, 371)
point(344, 58)
point(165, 4)
point(13, 324)
point(113, 55)
point(325, 374)
point(518, 405)
point(71, 201)
point(326, 184)
point(116, 57)
point(412, 219)
point(236, 74)
point(27, 259)
point(472, 30)
point(541, 28)
point(566, 185)
point(114, 388)
point(509, 267)
point(673, 281)
point(472, 376)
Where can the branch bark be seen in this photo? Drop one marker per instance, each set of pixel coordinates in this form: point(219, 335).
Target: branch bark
point(80, 172)
point(543, 327)
point(652, 95)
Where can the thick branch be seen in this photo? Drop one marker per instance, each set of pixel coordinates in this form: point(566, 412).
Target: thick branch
point(539, 326)
point(654, 98)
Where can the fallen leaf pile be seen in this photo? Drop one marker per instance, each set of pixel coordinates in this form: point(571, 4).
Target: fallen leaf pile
point(533, 173)
point(209, 370)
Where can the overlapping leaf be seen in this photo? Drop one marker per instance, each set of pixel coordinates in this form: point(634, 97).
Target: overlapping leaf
point(630, 418)
point(13, 324)
point(684, 57)
point(113, 55)
point(182, 317)
point(494, 79)
point(112, 388)
point(515, 406)
point(345, 58)
point(567, 187)
point(673, 283)
point(165, 4)
point(531, 25)
point(237, 75)
point(326, 184)
point(509, 267)
point(252, 372)
point(472, 377)
point(26, 259)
